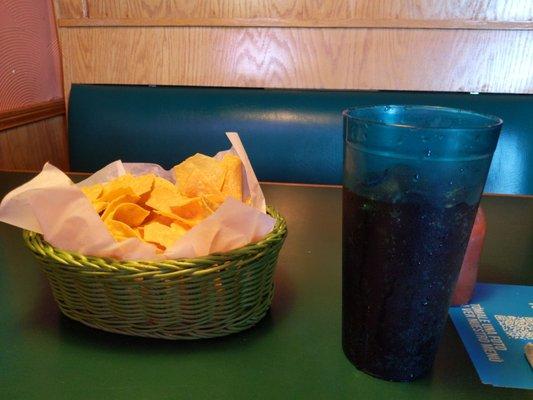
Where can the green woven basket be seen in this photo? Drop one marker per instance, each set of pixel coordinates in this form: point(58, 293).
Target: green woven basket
point(194, 298)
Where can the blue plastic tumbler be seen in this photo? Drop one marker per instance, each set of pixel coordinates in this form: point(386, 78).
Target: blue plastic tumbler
point(413, 178)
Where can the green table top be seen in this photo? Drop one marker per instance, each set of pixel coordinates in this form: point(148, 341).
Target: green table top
point(295, 352)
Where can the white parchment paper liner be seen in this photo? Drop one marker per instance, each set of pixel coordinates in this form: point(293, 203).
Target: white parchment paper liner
point(51, 204)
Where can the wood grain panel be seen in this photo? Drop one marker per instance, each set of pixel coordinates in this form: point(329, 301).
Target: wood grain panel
point(28, 147)
point(390, 59)
point(71, 8)
point(27, 114)
point(296, 23)
point(494, 10)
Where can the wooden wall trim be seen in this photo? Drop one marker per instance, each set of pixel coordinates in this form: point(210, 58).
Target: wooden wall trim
point(29, 114)
point(296, 23)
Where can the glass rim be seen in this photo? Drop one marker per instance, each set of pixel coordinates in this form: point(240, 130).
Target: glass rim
point(493, 122)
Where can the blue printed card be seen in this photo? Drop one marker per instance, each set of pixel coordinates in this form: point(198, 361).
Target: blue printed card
point(494, 328)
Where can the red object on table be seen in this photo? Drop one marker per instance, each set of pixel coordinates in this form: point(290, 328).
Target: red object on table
point(468, 275)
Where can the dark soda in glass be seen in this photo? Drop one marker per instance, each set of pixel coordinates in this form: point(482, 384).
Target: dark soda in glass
point(400, 262)
point(413, 178)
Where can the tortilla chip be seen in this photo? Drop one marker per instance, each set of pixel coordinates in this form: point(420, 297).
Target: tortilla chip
point(111, 193)
point(163, 183)
point(142, 184)
point(198, 184)
point(210, 169)
point(125, 198)
point(232, 185)
point(169, 215)
point(155, 217)
point(120, 231)
point(162, 235)
point(115, 184)
point(190, 208)
point(213, 201)
point(162, 198)
point(100, 206)
point(129, 213)
point(93, 192)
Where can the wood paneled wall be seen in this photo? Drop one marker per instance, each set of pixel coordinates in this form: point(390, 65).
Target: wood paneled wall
point(29, 146)
point(412, 59)
point(32, 135)
point(468, 46)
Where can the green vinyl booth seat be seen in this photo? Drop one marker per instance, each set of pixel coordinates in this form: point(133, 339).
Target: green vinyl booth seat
point(290, 135)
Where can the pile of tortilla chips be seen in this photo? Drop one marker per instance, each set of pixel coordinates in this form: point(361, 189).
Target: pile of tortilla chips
point(158, 211)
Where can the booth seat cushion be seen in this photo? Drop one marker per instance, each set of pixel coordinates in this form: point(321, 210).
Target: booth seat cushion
point(290, 135)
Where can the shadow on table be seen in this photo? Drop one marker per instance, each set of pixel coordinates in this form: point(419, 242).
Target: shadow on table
point(75, 332)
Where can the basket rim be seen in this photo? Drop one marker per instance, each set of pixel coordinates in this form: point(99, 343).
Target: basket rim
point(42, 249)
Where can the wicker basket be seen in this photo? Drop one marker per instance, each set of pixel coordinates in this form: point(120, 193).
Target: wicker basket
point(194, 298)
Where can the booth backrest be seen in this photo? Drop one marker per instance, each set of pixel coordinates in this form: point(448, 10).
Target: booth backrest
point(290, 135)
